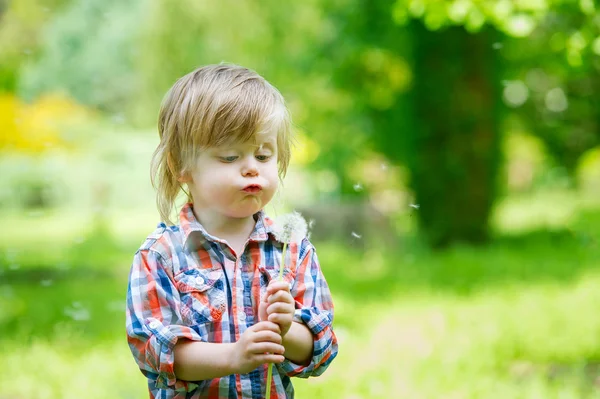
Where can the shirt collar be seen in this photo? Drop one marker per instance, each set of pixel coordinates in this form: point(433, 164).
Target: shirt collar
point(189, 224)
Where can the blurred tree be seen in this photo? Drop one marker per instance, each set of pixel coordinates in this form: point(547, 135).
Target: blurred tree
point(416, 80)
point(558, 68)
point(441, 114)
point(88, 52)
point(431, 101)
point(21, 23)
point(455, 138)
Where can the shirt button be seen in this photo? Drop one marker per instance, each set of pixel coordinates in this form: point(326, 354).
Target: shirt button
point(242, 316)
point(215, 314)
point(199, 280)
point(154, 324)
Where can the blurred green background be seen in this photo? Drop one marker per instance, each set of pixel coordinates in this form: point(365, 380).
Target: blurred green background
point(448, 155)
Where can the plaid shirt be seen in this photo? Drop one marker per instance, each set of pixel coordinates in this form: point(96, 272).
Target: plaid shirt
point(186, 283)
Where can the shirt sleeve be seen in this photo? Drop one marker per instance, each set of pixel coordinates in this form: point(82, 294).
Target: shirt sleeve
point(154, 323)
point(314, 308)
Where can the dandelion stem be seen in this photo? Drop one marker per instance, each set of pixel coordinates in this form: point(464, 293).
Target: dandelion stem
point(282, 266)
point(270, 369)
point(269, 378)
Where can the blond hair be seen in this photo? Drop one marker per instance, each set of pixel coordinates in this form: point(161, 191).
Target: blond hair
point(212, 106)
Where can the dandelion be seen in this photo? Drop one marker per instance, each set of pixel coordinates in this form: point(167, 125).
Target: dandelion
point(292, 227)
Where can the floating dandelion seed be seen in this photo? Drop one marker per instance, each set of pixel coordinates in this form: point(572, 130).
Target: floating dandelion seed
point(355, 235)
point(77, 312)
point(291, 227)
point(497, 46)
point(358, 187)
point(118, 118)
point(416, 206)
point(114, 306)
point(62, 266)
point(311, 224)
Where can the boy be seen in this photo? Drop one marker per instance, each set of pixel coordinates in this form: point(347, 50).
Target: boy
point(206, 312)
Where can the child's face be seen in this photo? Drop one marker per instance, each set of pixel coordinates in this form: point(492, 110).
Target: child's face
point(236, 180)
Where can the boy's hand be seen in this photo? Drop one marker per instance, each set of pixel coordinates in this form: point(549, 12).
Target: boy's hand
point(258, 345)
point(278, 306)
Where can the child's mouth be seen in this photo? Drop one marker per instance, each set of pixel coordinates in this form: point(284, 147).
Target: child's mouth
point(253, 188)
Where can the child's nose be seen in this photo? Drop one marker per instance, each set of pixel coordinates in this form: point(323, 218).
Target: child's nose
point(250, 167)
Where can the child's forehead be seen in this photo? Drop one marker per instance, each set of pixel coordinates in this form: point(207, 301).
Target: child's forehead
point(257, 140)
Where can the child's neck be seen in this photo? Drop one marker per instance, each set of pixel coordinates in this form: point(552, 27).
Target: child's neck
point(233, 230)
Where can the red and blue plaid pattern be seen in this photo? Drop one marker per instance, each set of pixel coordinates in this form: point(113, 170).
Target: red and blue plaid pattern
point(185, 283)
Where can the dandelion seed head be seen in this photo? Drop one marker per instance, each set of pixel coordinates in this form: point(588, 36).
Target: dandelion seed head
point(291, 226)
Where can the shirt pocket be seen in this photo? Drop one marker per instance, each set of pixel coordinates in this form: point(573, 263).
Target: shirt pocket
point(203, 295)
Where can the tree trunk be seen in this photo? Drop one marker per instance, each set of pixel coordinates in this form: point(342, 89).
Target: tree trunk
point(456, 140)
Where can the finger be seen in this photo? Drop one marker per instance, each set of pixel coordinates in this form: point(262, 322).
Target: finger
point(266, 347)
point(269, 358)
point(280, 318)
point(266, 326)
point(280, 296)
point(267, 336)
point(278, 285)
point(280, 307)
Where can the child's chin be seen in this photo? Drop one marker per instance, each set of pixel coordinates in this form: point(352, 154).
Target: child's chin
point(244, 213)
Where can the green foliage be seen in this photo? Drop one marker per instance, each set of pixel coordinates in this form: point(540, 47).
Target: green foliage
point(354, 77)
point(89, 51)
point(559, 76)
point(20, 26)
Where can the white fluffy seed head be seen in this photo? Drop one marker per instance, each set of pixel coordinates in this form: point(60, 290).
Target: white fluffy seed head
point(291, 226)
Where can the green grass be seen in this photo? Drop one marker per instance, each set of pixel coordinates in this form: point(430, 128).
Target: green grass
point(537, 341)
point(515, 319)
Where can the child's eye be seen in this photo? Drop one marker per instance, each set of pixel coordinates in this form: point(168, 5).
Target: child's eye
point(229, 159)
point(263, 157)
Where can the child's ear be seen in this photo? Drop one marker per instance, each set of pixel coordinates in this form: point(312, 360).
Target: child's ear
point(184, 177)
